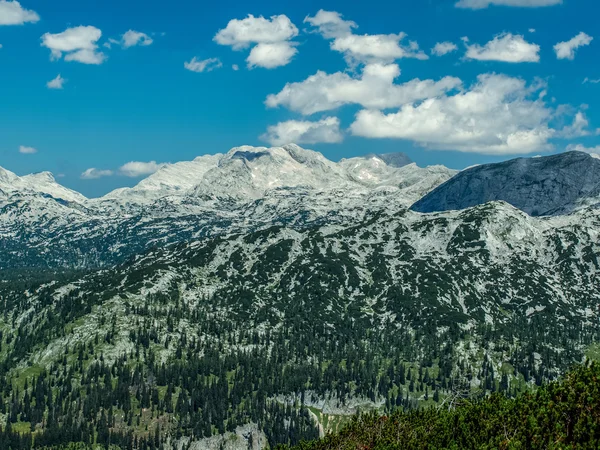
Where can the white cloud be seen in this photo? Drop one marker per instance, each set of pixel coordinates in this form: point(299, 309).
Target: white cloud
point(326, 130)
point(330, 24)
point(56, 83)
point(235, 67)
point(86, 56)
point(240, 34)
point(591, 80)
point(206, 65)
point(79, 44)
point(27, 150)
point(505, 47)
point(12, 13)
point(582, 148)
point(578, 128)
point(93, 173)
point(369, 48)
point(374, 89)
point(497, 115)
point(443, 48)
point(271, 37)
point(132, 169)
point(480, 4)
point(272, 55)
point(133, 38)
point(136, 169)
point(366, 48)
point(531, 30)
point(129, 39)
point(566, 50)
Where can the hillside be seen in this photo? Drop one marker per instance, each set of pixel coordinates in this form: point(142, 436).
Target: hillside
point(274, 326)
point(564, 414)
point(226, 310)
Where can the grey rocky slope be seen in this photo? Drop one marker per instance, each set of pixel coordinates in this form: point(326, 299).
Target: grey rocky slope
point(539, 186)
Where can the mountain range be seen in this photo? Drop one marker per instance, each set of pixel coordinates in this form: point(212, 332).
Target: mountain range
point(263, 295)
point(45, 224)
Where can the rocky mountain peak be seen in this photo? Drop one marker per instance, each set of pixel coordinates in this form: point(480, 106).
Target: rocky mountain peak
point(7, 177)
point(540, 186)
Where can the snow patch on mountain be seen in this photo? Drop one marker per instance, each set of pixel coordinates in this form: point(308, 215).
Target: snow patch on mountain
point(37, 183)
point(249, 173)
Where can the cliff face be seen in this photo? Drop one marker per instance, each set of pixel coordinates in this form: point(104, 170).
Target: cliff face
point(247, 437)
point(541, 186)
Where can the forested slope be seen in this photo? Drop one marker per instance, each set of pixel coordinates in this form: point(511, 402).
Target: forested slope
point(561, 415)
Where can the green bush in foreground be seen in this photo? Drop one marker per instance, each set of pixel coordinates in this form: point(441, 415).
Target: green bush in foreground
point(560, 415)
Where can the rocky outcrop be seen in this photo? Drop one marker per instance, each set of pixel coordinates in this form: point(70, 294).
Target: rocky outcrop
point(539, 186)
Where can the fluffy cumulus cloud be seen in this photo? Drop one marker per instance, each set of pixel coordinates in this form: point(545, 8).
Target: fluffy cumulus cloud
point(272, 55)
point(77, 44)
point(326, 130)
point(12, 13)
point(480, 4)
point(582, 148)
point(375, 88)
point(505, 47)
point(497, 115)
point(330, 24)
point(93, 174)
point(27, 150)
point(136, 169)
point(566, 50)
point(443, 48)
point(206, 65)
point(270, 39)
point(376, 48)
point(56, 83)
point(240, 34)
point(366, 48)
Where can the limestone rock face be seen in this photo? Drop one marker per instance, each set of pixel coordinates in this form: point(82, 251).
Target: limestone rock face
point(247, 437)
point(542, 186)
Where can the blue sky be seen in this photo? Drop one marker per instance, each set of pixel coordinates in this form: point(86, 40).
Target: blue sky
point(141, 104)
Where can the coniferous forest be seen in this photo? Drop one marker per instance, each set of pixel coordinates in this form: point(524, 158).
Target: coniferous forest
point(560, 415)
point(160, 371)
point(279, 334)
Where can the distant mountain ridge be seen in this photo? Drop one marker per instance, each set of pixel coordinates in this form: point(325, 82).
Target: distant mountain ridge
point(551, 185)
point(247, 173)
point(43, 223)
point(37, 183)
point(540, 186)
